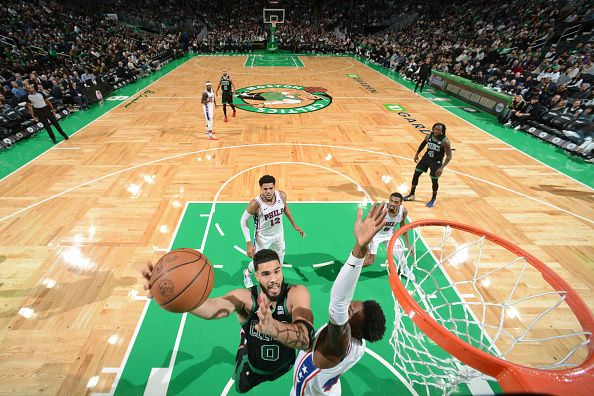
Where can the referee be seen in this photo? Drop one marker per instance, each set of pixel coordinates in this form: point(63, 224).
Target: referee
point(42, 110)
point(424, 73)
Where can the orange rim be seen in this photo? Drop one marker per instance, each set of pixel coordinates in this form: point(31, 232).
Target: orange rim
point(511, 377)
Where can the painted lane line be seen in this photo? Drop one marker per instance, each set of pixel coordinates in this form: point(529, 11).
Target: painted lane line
point(476, 126)
point(97, 119)
point(167, 372)
point(228, 387)
point(204, 215)
point(218, 266)
point(206, 232)
point(154, 385)
point(128, 351)
point(110, 370)
point(391, 368)
point(283, 73)
point(240, 250)
point(218, 227)
point(285, 144)
point(323, 264)
point(287, 265)
point(142, 315)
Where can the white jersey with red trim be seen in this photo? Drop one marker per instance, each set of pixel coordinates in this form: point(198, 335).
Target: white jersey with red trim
point(210, 96)
point(269, 219)
point(308, 380)
point(390, 227)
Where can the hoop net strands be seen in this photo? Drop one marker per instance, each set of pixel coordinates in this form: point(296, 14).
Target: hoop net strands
point(487, 296)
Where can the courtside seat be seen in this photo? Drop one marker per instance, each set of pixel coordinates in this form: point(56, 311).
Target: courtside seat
point(12, 116)
point(561, 121)
point(23, 111)
point(549, 115)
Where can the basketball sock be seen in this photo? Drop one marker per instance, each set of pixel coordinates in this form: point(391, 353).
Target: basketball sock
point(435, 186)
point(413, 189)
point(434, 195)
point(225, 110)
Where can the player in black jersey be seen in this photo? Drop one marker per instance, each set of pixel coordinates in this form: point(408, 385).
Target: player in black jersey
point(275, 319)
point(437, 145)
point(227, 85)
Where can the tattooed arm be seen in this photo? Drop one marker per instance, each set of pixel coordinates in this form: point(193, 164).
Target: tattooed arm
point(294, 335)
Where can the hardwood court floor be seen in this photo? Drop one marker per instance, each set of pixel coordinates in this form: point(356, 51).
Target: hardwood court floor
point(84, 219)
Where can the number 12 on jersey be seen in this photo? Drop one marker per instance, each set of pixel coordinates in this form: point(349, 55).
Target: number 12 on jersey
point(274, 221)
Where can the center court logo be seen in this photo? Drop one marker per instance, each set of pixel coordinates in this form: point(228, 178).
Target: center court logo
point(282, 99)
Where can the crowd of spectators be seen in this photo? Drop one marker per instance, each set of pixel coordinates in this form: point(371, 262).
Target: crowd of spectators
point(504, 45)
point(309, 25)
point(62, 55)
point(507, 46)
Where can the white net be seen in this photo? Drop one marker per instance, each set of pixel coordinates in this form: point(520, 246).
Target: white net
point(487, 296)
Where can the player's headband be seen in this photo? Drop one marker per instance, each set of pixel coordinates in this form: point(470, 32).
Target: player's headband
point(208, 84)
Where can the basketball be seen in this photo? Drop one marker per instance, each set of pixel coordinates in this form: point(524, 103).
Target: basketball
point(181, 280)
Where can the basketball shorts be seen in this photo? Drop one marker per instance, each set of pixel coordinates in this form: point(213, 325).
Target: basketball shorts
point(208, 115)
point(427, 163)
point(277, 244)
point(228, 97)
point(377, 241)
point(246, 377)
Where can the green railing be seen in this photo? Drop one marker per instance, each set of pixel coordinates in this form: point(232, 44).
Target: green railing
point(470, 83)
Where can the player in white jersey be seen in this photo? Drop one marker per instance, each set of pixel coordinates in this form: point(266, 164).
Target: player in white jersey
point(395, 217)
point(267, 210)
point(208, 105)
point(340, 344)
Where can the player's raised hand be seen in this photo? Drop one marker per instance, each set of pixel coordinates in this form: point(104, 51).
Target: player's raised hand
point(416, 157)
point(365, 229)
point(146, 273)
point(266, 323)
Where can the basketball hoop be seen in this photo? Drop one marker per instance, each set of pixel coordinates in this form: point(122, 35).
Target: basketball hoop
point(274, 16)
point(461, 315)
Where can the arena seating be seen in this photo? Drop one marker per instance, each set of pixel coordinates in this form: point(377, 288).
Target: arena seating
point(514, 47)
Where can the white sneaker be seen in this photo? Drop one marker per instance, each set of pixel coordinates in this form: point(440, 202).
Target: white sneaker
point(247, 279)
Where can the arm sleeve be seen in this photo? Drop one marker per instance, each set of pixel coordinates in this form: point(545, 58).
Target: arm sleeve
point(343, 290)
point(245, 228)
